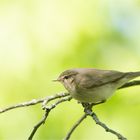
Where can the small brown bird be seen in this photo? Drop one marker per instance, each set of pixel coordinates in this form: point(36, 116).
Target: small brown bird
point(90, 85)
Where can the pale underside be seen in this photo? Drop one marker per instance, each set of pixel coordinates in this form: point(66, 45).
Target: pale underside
point(96, 95)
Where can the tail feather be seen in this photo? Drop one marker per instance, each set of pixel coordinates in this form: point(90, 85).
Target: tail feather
point(132, 75)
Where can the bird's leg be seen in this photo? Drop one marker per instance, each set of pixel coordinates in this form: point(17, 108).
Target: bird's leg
point(86, 106)
point(90, 105)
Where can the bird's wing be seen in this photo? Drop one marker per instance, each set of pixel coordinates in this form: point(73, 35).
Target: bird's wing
point(98, 78)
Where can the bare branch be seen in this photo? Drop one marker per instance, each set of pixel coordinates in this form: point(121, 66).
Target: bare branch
point(45, 100)
point(39, 124)
point(74, 127)
point(129, 84)
point(34, 102)
point(89, 112)
point(47, 110)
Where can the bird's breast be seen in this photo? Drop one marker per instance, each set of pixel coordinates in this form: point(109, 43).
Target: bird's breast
point(93, 95)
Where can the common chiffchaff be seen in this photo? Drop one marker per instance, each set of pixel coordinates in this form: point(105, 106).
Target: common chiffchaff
point(90, 85)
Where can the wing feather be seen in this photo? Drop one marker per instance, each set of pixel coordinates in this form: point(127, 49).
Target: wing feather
point(97, 78)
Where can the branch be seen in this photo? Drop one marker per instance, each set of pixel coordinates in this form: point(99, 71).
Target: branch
point(63, 98)
point(75, 126)
point(49, 98)
point(47, 110)
point(89, 112)
point(34, 102)
point(130, 84)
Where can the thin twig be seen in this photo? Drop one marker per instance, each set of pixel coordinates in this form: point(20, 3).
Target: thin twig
point(107, 129)
point(74, 127)
point(34, 102)
point(49, 98)
point(39, 124)
point(129, 84)
point(47, 110)
point(45, 100)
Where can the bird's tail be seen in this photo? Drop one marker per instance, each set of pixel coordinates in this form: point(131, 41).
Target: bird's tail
point(132, 75)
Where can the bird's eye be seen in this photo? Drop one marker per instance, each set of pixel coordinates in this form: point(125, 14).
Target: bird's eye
point(66, 77)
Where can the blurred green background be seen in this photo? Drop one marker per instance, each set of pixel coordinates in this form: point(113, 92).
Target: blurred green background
point(41, 38)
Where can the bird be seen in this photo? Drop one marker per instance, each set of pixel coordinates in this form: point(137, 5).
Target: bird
point(90, 85)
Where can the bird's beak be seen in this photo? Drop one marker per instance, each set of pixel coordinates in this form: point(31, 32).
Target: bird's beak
point(57, 80)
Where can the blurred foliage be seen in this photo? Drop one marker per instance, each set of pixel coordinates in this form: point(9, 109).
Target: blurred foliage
point(39, 39)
